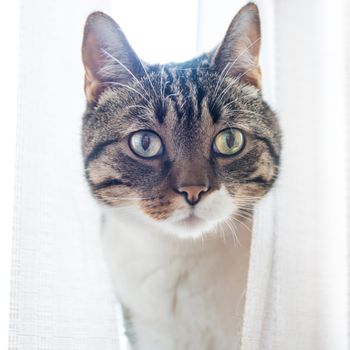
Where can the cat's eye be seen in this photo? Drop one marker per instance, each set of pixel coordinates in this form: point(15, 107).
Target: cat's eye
point(146, 144)
point(228, 142)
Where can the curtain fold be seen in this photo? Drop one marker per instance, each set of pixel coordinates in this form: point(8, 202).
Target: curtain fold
point(307, 287)
point(260, 295)
point(60, 292)
point(348, 148)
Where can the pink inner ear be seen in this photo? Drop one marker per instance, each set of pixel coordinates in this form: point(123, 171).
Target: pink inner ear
point(107, 55)
point(93, 61)
point(239, 51)
point(91, 56)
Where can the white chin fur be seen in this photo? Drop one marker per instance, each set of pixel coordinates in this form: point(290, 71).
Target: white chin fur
point(190, 222)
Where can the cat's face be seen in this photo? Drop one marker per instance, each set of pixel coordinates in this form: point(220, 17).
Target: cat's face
point(185, 146)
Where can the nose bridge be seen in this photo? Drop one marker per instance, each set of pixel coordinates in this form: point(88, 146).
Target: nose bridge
point(191, 179)
point(191, 172)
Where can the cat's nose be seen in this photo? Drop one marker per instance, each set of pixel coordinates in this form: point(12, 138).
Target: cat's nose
point(192, 193)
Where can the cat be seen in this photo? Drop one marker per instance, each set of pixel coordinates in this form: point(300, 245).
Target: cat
point(178, 155)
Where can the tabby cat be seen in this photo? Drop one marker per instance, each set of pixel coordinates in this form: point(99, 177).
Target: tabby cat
point(178, 154)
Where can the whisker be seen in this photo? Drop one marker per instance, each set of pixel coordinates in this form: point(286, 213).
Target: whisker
point(246, 200)
point(128, 87)
point(241, 223)
point(166, 83)
point(189, 68)
point(140, 106)
point(235, 60)
point(233, 231)
point(175, 94)
point(247, 197)
point(148, 77)
point(124, 198)
point(223, 236)
point(220, 79)
point(234, 81)
point(242, 110)
point(161, 84)
point(126, 68)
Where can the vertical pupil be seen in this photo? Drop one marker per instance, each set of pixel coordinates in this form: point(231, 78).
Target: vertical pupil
point(145, 142)
point(230, 140)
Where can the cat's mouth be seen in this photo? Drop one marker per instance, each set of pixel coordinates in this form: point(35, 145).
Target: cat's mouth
point(193, 224)
point(194, 221)
point(191, 220)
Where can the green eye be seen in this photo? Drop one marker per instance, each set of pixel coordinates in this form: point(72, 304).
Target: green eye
point(228, 142)
point(146, 144)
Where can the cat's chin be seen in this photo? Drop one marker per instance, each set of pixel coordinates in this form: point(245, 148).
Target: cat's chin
point(191, 221)
point(191, 227)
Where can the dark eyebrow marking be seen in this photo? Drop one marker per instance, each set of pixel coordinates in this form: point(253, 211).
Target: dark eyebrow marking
point(108, 183)
point(97, 150)
point(274, 155)
point(259, 180)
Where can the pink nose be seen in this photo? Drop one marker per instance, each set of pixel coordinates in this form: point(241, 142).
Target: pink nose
point(192, 193)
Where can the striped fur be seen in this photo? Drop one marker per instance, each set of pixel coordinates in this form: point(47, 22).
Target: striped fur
point(180, 105)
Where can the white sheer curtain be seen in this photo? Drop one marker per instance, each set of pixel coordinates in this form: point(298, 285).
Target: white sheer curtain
point(61, 298)
point(298, 280)
point(307, 306)
point(9, 37)
point(312, 233)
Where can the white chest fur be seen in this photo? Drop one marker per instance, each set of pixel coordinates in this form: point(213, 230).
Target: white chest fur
point(180, 294)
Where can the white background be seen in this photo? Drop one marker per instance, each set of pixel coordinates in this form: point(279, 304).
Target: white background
point(9, 35)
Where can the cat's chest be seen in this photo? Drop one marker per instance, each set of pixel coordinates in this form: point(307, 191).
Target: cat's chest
point(178, 295)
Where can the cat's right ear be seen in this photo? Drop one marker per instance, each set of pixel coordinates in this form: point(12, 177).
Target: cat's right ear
point(238, 54)
point(107, 56)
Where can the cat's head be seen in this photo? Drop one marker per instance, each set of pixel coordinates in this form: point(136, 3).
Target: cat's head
point(185, 146)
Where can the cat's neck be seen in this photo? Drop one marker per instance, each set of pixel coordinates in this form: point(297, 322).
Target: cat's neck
point(174, 290)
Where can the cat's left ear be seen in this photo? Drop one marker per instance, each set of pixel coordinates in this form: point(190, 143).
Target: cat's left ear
point(107, 56)
point(238, 54)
